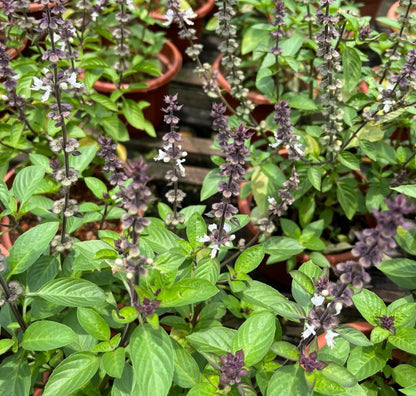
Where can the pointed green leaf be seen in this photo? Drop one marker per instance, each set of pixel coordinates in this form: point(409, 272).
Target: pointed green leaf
point(72, 292)
point(38, 238)
point(249, 259)
point(152, 356)
point(46, 335)
point(255, 336)
point(93, 324)
point(370, 306)
point(287, 380)
point(113, 362)
point(72, 374)
point(186, 373)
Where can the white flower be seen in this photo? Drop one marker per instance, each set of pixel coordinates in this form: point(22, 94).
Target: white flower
point(310, 330)
point(169, 17)
point(329, 336)
point(338, 308)
point(214, 250)
point(271, 200)
point(180, 167)
point(72, 80)
point(161, 156)
point(227, 228)
point(94, 16)
point(189, 14)
point(317, 300)
point(204, 238)
point(39, 86)
point(212, 227)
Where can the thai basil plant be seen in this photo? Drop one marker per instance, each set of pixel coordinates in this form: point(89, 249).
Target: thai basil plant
point(164, 302)
point(167, 306)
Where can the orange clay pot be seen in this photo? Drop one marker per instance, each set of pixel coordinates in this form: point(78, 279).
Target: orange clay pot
point(156, 90)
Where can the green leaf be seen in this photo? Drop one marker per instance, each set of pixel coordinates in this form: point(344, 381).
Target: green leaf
point(315, 176)
point(38, 238)
point(347, 197)
point(195, 228)
point(349, 160)
point(104, 101)
point(303, 280)
point(217, 340)
point(72, 292)
point(405, 375)
point(282, 248)
point(409, 190)
point(5, 345)
point(46, 335)
point(370, 306)
point(148, 68)
point(353, 335)
point(115, 128)
point(261, 294)
point(187, 291)
point(401, 271)
point(339, 374)
point(255, 336)
point(351, 66)
point(186, 372)
point(93, 63)
point(42, 271)
point(93, 324)
point(404, 340)
point(286, 349)
point(287, 380)
point(210, 184)
point(81, 162)
point(365, 362)
point(15, 376)
point(152, 356)
point(249, 259)
point(72, 374)
point(97, 187)
point(404, 314)
point(133, 113)
point(302, 102)
point(26, 182)
point(113, 362)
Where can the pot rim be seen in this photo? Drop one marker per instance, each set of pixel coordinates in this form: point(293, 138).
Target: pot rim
point(169, 56)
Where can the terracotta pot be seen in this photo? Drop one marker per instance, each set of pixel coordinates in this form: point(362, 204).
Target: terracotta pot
point(264, 106)
point(156, 89)
point(370, 8)
point(172, 31)
point(393, 13)
point(14, 52)
point(39, 391)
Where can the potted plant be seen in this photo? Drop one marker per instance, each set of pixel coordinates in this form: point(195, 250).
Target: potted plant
point(128, 64)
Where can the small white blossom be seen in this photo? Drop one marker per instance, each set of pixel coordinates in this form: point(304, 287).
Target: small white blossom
point(72, 81)
point(329, 336)
point(161, 156)
point(169, 17)
point(317, 300)
point(189, 14)
point(310, 330)
point(212, 227)
point(38, 85)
